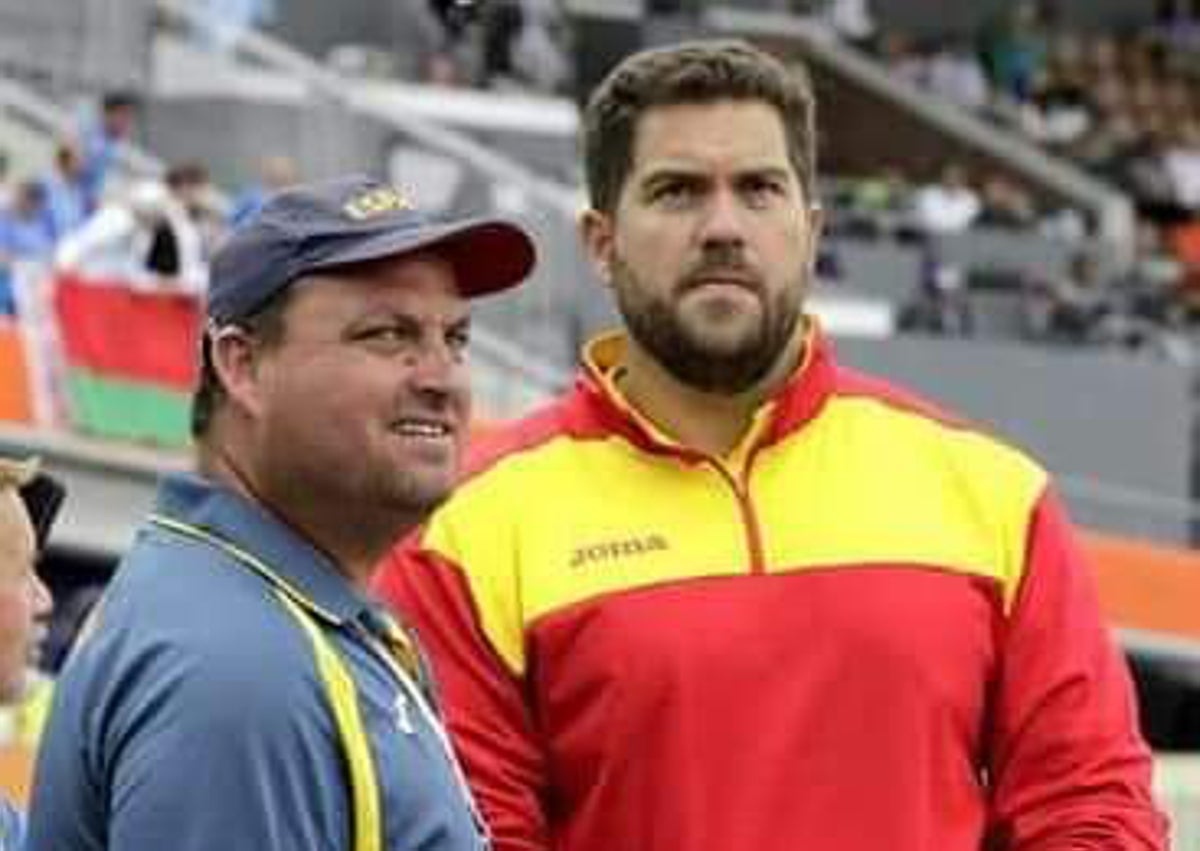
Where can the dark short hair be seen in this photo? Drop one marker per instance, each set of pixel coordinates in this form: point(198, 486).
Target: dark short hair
point(266, 324)
point(189, 173)
point(691, 73)
point(119, 99)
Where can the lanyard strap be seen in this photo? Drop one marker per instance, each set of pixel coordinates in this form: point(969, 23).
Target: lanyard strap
point(342, 695)
point(340, 691)
point(393, 647)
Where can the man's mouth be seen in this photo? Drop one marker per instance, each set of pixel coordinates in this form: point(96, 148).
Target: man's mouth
point(741, 278)
point(423, 429)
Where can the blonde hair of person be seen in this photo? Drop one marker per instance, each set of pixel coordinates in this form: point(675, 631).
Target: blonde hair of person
point(15, 474)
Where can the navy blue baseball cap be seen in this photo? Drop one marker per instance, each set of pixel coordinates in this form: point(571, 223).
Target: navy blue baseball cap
point(319, 226)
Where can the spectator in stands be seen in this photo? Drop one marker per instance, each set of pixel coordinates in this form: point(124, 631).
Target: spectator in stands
point(103, 139)
point(147, 240)
point(949, 204)
point(1109, 149)
point(24, 236)
point(501, 23)
point(4, 178)
point(67, 193)
point(1181, 162)
point(942, 302)
point(1147, 178)
point(28, 503)
point(537, 51)
point(954, 72)
point(875, 204)
point(24, 232)
point(851, 20)
point(1077, 304)
point(522, 46)
point(902, 59)
point(274, 173)
point(455, 51)
point(1103, 55)
point(232, 18)
point(1016, 49)
point(1183, 241)
point(1146, 100)
point(202, 223)
point(680, 608)
point(1056, 114)
point(1177, 23)
point(1156, 278)
point(1006, 205)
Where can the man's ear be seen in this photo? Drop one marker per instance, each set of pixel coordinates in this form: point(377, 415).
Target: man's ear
point(596, 234)
point(236, 359)
point(816, 229)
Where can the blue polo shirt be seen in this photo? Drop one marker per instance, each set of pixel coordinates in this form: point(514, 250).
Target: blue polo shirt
point(12, 827)
point(192, 716)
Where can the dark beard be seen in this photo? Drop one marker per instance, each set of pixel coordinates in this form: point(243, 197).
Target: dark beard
point(652, 321)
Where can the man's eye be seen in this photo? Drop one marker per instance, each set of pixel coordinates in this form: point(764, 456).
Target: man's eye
point(458, 339)
point(674, 193)
point(382, 335)
point(761, 191)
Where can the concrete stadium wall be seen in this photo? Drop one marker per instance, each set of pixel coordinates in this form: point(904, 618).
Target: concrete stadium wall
point(937, 18)
point(231, 136)
point(77, 46)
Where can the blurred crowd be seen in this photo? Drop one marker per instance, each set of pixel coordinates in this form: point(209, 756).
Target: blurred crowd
point(82, 215)
point(510, 45)
point(1091, 298)
point(1123, 106)
point(1126, 108)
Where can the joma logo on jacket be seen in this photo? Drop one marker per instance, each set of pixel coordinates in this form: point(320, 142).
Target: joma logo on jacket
point(609, 550)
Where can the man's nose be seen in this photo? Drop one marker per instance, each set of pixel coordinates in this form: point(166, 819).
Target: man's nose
point(437, 371)
point(724, 220)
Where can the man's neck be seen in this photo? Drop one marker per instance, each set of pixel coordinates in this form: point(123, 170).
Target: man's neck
point(711, 423)
point(353, 538)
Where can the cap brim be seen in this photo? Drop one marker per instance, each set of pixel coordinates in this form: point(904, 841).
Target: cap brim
point(488, 255)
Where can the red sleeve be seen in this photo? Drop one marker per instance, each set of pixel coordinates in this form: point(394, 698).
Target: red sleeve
point(1067, 763)
point(483, 701)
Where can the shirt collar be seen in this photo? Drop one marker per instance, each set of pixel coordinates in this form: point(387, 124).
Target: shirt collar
point(797, 401)
point(217, 511)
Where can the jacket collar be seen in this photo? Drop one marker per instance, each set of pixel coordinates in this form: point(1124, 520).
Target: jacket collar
point(796, 402)
point(215, 511)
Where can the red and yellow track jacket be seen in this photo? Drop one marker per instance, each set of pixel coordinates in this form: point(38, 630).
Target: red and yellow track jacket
point(868, 629)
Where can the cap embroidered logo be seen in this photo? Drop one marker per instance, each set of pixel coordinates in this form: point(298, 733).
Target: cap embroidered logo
point(376, 202)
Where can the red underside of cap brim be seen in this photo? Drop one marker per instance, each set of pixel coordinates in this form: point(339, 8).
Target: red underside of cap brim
point(487, 256)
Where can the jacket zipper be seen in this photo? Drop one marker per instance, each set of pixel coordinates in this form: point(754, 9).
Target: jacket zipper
point(741, 491)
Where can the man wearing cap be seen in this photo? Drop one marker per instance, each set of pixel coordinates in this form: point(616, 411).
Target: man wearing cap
point(238, 688)
point(29, 500)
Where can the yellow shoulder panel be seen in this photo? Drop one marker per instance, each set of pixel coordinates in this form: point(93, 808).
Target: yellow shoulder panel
point(868, 483)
